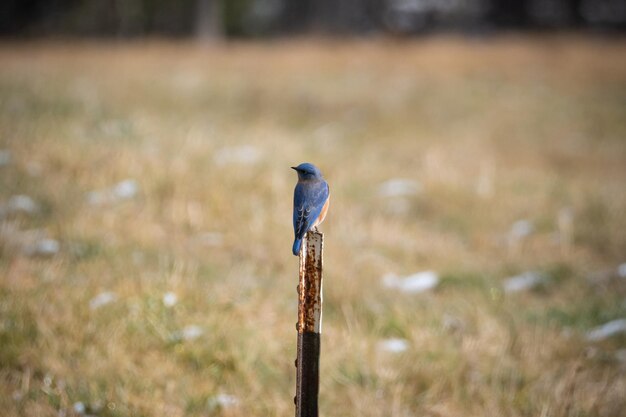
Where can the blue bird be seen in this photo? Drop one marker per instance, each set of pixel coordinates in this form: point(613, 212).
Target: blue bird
point(310, 202)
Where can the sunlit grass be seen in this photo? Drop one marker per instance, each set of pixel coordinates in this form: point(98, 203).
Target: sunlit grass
point(492, 131)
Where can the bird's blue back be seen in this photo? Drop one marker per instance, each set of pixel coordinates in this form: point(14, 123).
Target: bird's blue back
point(309, 198)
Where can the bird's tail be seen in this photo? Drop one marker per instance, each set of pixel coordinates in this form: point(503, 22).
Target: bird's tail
point(296, 246)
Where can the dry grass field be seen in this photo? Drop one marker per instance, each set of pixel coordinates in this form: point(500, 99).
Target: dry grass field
point(145, 226)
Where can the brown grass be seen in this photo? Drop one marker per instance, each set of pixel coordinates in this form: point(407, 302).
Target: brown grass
point(540, 122)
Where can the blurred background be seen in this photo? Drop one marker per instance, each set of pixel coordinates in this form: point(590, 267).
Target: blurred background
point(475, 257)
point(257, 18)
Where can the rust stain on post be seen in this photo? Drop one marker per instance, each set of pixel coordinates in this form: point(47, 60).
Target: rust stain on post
point(309, 325)
point(310, 284)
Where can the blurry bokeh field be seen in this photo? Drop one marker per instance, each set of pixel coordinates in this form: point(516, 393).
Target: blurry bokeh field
point(145, 226)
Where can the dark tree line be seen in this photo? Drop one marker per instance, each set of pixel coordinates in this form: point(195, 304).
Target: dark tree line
point(229, 18)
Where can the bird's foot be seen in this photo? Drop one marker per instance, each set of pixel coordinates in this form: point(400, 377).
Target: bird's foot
point(315, 229)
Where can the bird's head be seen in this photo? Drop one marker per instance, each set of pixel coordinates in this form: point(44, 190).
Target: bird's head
point(307, 171)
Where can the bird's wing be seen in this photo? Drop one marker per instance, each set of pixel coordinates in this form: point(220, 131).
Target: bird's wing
point(308, 201)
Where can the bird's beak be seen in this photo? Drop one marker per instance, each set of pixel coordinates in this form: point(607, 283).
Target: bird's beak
point(295, 168)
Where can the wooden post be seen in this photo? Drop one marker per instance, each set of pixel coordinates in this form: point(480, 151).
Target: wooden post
point(309, 325)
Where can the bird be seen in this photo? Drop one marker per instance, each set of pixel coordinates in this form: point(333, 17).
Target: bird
point(310, 202)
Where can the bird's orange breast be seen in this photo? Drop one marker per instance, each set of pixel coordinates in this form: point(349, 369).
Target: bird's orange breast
point(322, 215)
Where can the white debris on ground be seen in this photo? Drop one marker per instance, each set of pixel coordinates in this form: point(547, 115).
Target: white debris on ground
point(22, 203)
point(518, 232)
point(607, 330)
point(5, 157)
point(396, 192)
point(102, 299)
point(33, 242)
point(43, 247)
point(244, 155)
point(19, 204)
point(399, 187)
point(521, 229)
point(169, 299)
point(190, 332)
point(413, 284)
point(525, 281)
point(126, 189)
point(79, 408)
point(605, 277)
point(222, 401)
point(123, 190)
point(393, 345)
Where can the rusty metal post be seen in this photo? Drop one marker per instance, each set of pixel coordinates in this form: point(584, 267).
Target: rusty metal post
point(309, 325)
